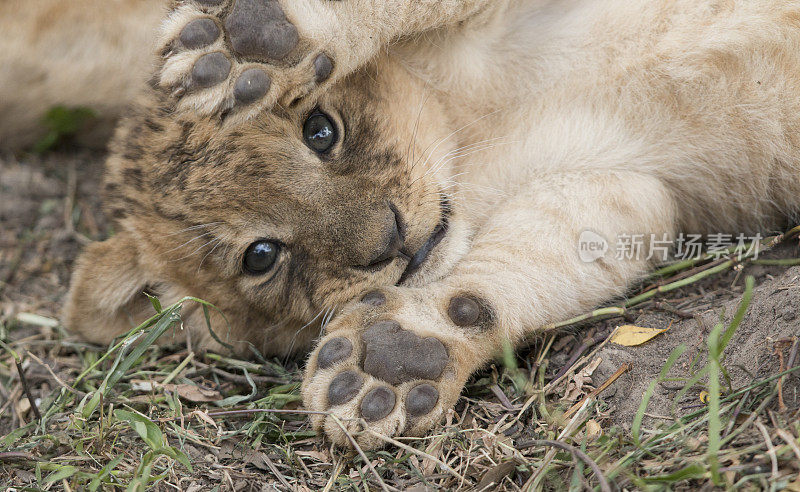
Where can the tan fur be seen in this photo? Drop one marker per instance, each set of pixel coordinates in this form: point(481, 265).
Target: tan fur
point(92, 53)
point(537, 119)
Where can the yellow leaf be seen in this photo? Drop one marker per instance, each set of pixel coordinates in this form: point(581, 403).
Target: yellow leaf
point(593, 429)
point(630, 335)
point(704, 396)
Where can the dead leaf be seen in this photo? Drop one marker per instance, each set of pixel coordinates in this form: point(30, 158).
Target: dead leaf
point(320, 456)
point(631, 336)
point(576, 386)
point(194, 393)
point(593, 429)
point(204, 417)
point(257, 459)
point(434, 449)
point(492, 478)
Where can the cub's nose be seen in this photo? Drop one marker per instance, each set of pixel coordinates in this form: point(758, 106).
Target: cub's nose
point(392, 242)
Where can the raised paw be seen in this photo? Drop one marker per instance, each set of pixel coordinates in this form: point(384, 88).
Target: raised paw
point(234, 58)
point(388, 368)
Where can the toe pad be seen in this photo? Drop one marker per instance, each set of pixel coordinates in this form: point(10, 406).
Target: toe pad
point(377, 404)
point(421, 399)
point(199, 33)
point(251, 86)
point(211, 69)
point(344, 387)
point(259, 28)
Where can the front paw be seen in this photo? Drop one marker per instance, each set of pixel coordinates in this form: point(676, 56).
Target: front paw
point(385, 364)
point(233, 58)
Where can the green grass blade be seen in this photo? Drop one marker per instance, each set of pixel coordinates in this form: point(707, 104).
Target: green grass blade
point(637, 420)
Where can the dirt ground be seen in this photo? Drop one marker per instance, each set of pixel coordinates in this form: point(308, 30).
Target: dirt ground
point(770, 324)
point(50, 208)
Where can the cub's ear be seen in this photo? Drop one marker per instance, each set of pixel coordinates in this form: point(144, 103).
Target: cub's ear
point(106, 298)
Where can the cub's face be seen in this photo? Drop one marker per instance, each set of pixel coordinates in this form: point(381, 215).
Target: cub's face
point(278, 221)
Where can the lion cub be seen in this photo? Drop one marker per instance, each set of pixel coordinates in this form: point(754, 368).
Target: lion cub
point(420, 173)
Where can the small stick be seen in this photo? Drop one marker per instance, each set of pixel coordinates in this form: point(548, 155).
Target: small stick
point(770, 447)
point(577, 354)
point(251, 411)
point(781, 404)
point(670, 309)
point(78, 393)
point(502, 397)
point(793, 354)
point(361, 452)
point(276, 472)
point(569, 429)
point(549, 387)
point(337, 469)
point(622, 370)
point(576, 453)
point(17, 456)
point(423, 454)
point(790, 440)
point(27, 389)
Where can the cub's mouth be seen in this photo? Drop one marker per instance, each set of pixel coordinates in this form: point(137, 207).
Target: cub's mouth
point(424, 252)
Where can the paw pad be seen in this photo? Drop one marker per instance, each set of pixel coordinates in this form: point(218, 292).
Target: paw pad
point(395, 355)
point(334, 350)
point(199, 33)
point(421, 399)
point(251, 86)
point(464, 311)
point(344, 387)
point(378, 403)
point(211, 69)
point(374, 298)
point(323, 66)
point(259, 29)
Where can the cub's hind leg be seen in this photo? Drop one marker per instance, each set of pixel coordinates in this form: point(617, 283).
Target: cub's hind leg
point(238, 57)
point(397, 360)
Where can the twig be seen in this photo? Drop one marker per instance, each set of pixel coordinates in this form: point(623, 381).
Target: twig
point(793, 354)
point(27, 389)
point(77, 393)
point(790, 440)
point(337, 469)
point(502, 397)
point(671, 309)
point(770, 448)
point(360, 452)
point(17, 456)
point(779, 385)
point(276, 472)
point(570, 428)
point(236, 378)
point(622, 370)
point(577, 354)
point(422, 454)
point(577, 453)
point(549, 387)
point(250, 411)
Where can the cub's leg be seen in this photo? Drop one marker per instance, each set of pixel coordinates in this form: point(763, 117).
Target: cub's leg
point(238, 57)
point(398, 358)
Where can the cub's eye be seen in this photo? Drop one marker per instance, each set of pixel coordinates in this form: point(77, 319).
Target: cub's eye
point(259, 257)
point(319, 133)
